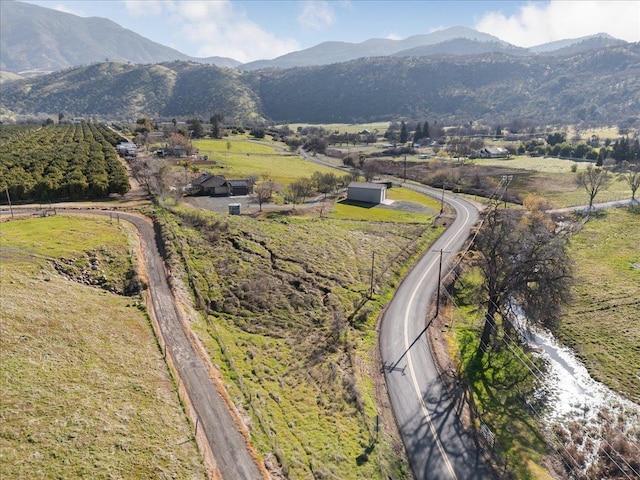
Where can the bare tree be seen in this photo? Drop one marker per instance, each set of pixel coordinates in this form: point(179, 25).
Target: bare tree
point(592, 180)
point(524, 262)
point(369, 170)
point(632, 177)
point(325, 182)
point(299, 190)
point(145, 171)
point(264, 191)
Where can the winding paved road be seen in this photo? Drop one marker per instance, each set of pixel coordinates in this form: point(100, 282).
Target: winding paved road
point(437, 444)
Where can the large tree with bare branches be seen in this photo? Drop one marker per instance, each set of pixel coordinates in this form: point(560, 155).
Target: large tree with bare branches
point(263, 191)
point(524, 263)
point(632, 177)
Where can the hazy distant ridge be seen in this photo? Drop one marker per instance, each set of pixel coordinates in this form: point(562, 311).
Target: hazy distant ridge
point(34, 40)
point(37, 39)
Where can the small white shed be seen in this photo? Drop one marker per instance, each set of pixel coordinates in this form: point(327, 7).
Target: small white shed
point(367, 192)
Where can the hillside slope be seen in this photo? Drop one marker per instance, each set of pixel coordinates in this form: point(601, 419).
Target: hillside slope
point(601, 87)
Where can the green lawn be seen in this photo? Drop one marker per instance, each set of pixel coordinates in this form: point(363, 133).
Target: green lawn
point(382, 213)
point(246, 158)
point(85, 392)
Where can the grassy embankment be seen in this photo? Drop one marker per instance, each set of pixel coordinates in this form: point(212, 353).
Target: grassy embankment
point(500, 382)
point(85, 392)
point(292, 329)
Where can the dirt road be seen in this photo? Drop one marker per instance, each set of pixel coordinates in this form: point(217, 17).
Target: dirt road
point(227, 453)
point(233, 460)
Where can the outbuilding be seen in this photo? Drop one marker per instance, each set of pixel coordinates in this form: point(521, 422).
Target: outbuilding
point(367, 192)
point(239, 187)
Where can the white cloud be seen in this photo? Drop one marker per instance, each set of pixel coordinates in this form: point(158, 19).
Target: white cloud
point(541, 22)
point(393, 36)
point(65, 9)
point(214, 28)
point(144, 8)
point(317, 15)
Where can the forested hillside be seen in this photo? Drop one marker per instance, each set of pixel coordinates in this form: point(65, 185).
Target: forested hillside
point(598, 87)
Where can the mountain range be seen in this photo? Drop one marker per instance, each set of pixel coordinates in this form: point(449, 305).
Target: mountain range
point(453, 76)
point(593, 88)
point(36, 40)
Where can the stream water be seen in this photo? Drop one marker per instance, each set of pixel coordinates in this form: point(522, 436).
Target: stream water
point(574, 393)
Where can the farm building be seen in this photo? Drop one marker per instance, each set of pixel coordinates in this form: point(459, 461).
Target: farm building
point(239, 187)
point(367, 192)
point(492, 152)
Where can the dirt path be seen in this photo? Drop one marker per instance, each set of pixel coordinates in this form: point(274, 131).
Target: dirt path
point(227, 452)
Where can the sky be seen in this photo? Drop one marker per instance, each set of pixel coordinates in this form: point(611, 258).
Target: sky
point(263, 29)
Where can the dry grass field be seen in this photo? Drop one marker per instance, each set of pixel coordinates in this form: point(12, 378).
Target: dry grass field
point(85, 391)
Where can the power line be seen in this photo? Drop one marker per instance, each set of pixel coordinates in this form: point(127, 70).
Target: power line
point(539, 377)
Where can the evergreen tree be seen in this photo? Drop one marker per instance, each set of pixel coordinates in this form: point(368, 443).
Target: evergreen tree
point(425, 130)
point(404, 135)
point(216, 125)
point(418, 133)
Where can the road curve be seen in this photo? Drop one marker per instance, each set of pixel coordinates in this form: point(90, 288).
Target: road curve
point(232, 458)
point(437, 444)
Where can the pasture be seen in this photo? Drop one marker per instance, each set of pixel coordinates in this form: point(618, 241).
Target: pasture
point(246, 157)
point(85, 390)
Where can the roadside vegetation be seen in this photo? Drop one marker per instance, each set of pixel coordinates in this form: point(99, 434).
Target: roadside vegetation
point(85, 392)
point(288, 317)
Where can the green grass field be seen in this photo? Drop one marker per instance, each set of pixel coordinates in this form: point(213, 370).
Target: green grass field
point(538, 164)
point(85, 392)
point(601, 324)
point(552, 178)
point(247, 157)
point(382, 213)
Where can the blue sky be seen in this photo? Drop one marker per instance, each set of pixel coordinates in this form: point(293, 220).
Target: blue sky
point(261, 29)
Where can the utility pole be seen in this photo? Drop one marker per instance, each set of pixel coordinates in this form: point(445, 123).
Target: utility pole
point(6, 189)
point(405, 168)
point(439, 279)
point(507, 179)
point(442, 200)
point(373, 258)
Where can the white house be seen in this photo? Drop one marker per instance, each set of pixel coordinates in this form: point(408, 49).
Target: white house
point(367, 192)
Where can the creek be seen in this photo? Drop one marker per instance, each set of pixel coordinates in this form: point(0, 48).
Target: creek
point(574, 393)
